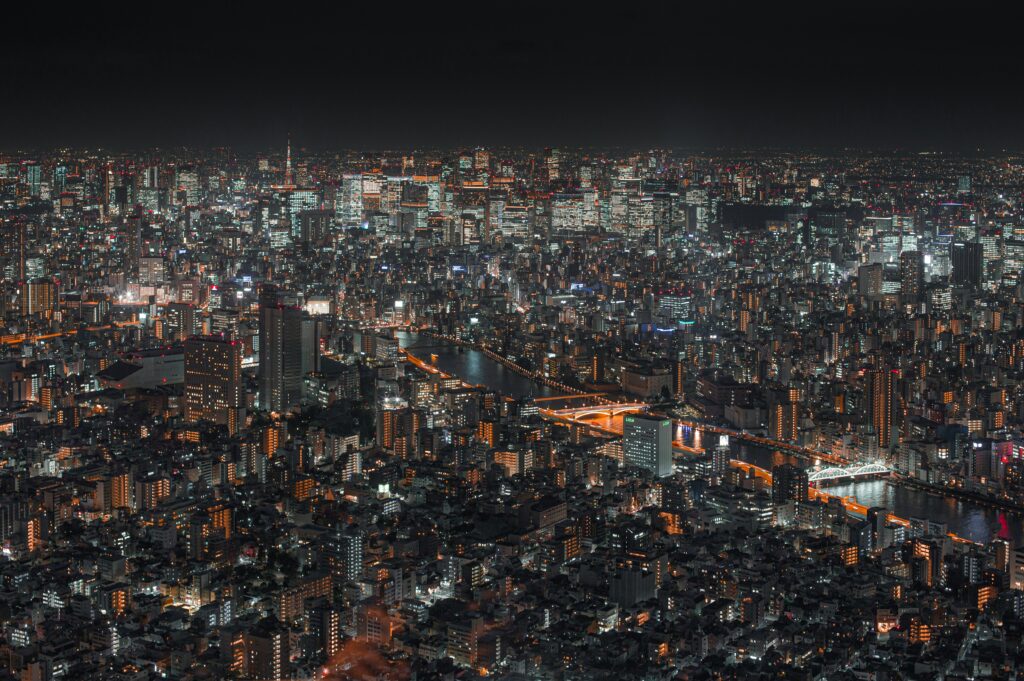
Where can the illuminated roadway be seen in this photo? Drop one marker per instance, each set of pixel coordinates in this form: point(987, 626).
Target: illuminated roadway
point(20, 338)
point(607, 419)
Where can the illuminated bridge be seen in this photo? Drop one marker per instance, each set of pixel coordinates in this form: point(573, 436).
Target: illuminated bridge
point(613, 409)
point(847, 472)
point(606, 418)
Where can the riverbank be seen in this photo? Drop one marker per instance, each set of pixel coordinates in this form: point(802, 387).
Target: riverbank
point(507, 363)
point(963, 517)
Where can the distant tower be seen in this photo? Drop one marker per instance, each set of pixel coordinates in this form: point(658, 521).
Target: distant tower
point(288, 165)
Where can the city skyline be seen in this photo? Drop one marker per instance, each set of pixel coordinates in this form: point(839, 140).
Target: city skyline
point(511, 343)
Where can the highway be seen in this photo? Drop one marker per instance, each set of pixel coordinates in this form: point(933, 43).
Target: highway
point(613, 423)
point(21, 338)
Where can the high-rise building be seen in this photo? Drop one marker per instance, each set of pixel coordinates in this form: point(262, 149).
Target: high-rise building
point(882, 405)
point(213, 381)
point(783, 415)
point(967, 260)
point(789, 483)
point(911, 275)
point(388, 411)
point(869, 279)
point(280, 352)
point(181, 321)
point(343, 550)
point(152, 271)
point(38, 296)
point(647, 443)
point(133, 246)
point(14, 247)
point(262, 652)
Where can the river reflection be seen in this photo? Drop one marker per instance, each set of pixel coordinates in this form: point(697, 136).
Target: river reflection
point(962, 518)
point(472, 366)
point(968, 521)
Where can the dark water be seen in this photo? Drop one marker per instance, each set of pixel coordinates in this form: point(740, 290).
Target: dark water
point(962, 518)
point(472, 366)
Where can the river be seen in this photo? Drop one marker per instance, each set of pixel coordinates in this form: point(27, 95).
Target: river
point(962, 518)
point(472, 366)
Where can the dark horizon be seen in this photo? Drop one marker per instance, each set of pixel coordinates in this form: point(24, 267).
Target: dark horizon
point(700, 78)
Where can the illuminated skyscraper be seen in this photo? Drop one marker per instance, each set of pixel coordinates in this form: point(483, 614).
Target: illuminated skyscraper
point(213, 381)
point(38, 296)
point(882, 404)
point(911, 275)
point(647, 443)
point(783, 415)
point(181, 321)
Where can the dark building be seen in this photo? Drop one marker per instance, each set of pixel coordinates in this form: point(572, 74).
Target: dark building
point(789, 483)
point(967, 260)
point(280, 341)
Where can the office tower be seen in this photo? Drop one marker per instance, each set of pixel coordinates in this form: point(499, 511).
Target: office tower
point(213, 381)
point(388, 411)
point(280, 352)
point(911, 275)
point(967, 261)
point(14, 247)
point(789, 483)
point(386, 348)
point(313, 226)
point(783, 415)
point(313, 329)
point(348, 202)
point(33, 178)
point(181, 321)
point(132, 247)
point(151, 271)
point(869, 279)
point(1001, 553)
point(38, 296)
point(188, 187)
point(675, 308)
point(882, 405)
point(647, 443)
point(224, 322)
point(552, 163)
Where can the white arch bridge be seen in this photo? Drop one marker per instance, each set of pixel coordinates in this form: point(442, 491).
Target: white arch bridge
point(845, 472)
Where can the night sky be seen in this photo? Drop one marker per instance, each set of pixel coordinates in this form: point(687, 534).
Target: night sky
point(381, 76)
